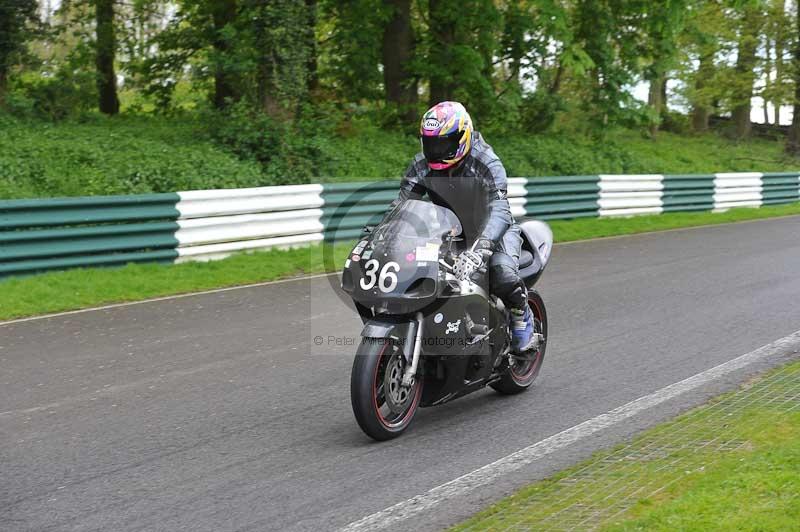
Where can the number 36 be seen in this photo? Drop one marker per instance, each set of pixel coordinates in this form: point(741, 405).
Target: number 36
point(387, 280)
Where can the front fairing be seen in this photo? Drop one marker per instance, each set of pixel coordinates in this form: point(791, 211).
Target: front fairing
point(396, 269)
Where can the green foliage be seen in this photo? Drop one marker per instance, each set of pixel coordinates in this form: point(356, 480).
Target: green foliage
point(353, 31)
point(124, 155)
point(15, 18)
point(289, 152)
point(460, 40)
point(70, 93)
point(243, 148)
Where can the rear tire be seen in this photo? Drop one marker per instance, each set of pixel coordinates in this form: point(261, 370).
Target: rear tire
point(519, 377)
point(377, 370)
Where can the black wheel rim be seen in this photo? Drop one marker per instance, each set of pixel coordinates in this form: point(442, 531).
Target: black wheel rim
point(393, 403)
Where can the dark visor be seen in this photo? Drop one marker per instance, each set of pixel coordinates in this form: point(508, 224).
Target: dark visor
point(440, 148)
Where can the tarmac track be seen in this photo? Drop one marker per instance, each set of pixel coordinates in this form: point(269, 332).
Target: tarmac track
point(218, 412)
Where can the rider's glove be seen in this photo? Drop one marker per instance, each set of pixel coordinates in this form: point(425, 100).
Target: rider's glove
point(469, 262)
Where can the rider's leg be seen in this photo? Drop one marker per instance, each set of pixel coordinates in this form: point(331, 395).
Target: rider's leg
point(508, 286)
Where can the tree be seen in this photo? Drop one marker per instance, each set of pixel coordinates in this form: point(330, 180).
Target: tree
point(664, 22)
point(350, 62)
point(460, 41)
point(223, 15)
point(793, 139)
point(15, 15)
point(610, 33)
point(311, 40)
point(701, 108)
point(751, 20)
point(397, 53)
point(442, 52)
point(281, 60)
point(777, 32)
point(105, 53)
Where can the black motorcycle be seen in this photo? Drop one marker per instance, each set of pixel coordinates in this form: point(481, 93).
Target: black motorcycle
point(429, 338)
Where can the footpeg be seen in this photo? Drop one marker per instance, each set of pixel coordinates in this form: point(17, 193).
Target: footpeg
point(538, 340)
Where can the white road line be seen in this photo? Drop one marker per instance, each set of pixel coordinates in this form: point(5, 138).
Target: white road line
point(488, 473)
point(167, 298)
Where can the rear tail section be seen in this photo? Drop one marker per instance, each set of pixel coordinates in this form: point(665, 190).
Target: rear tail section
point(537, 243)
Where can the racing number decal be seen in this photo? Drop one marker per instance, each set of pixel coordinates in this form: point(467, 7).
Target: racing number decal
point(369, 271)
point(387, 279)
point(391, 276)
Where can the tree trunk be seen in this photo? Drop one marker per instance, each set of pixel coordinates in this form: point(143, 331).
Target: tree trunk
point(555, 86)
point(656, 102)
point(3, 85)
point(767, 83)
point(776, 103)
point(223, 12)
point(745, 66)
point(700, 110)
point(311, 63)
point(442, 19)
point(779, 40)
point(793, 139)
point(398, 50)
point(106, 45)
point(266, 62)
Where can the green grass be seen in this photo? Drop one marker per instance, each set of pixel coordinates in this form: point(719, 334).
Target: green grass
point(759, 490)
point(81, 288)
point(586, 228)
point(144, 153)
point(733, 464)
point(121, 155)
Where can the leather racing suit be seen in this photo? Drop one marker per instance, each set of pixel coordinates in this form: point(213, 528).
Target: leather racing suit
point(476, 191)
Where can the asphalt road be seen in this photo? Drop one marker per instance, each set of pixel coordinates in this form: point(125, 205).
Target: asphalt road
point(217, 412)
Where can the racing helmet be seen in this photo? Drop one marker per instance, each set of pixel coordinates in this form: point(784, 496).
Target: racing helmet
point(446, 135)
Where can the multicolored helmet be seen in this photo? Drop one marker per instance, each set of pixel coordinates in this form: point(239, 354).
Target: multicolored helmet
point(446, 135)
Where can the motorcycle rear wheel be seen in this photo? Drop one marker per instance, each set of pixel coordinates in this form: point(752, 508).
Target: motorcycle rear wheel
point(520, 376)
point(383, 408)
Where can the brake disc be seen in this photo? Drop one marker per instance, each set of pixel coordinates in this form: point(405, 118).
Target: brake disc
point(398, 397)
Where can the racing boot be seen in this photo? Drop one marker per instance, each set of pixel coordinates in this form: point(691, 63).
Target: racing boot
point(523, 337)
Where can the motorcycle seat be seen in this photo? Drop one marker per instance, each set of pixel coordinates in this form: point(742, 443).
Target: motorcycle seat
point(525, 259)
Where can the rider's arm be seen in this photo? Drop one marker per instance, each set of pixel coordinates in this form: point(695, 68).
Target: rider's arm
point(498, 218)
point(411, 186)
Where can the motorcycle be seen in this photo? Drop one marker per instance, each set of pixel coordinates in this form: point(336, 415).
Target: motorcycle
point(429, 338)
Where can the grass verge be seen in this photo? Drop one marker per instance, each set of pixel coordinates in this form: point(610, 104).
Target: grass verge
point(93, 154)
point(733, 464)
point(82, 288)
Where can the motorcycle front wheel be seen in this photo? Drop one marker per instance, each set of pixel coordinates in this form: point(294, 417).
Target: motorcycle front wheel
point(383, 407)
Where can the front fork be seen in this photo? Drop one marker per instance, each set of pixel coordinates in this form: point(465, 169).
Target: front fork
point(408, 376)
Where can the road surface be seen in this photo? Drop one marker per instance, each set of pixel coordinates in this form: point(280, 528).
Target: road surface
point(218, 412)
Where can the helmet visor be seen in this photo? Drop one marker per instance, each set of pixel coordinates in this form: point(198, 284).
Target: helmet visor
point(441, 148)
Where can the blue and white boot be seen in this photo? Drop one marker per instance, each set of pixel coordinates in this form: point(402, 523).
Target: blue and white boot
point(523, 337)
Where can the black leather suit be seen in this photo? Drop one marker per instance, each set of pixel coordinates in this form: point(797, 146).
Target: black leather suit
point(476, 191)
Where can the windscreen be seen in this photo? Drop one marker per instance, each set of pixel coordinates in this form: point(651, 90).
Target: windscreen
point(414, 222)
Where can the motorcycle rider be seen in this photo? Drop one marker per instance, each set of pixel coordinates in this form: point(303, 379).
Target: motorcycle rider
point(460, 171)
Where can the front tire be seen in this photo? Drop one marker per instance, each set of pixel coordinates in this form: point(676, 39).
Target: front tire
point(382, 407)
point(521, 375)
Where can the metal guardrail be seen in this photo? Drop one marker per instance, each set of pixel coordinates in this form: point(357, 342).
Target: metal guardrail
point(48, 234)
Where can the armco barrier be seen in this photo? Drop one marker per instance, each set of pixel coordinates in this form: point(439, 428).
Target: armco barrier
point(38, 235)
